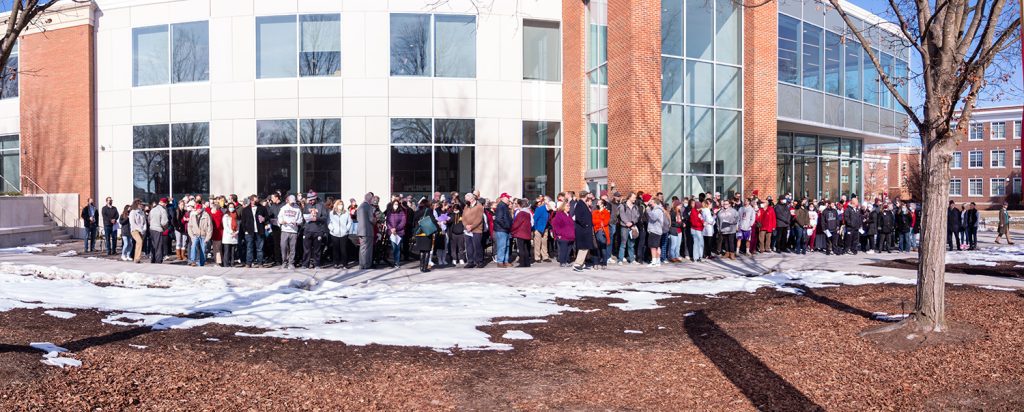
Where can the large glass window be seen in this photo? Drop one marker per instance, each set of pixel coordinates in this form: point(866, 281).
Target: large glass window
point(728, 41)
point(304, 45)
point(789, 49)
point(852, 74)
point(597, 85)
point(887, 65)
point(902, 79)
point(542, 158)
point(672, 27)
point(812, 70)
point(598, 143)
point(833, 63)
point(433, 45)
point(821, 167)
point(10, 163)
point(9, 76)
point(171, 160)
point(175, 53)
point(295, 156)
point(974, 187)
point(871, 79)
point(542, 51)
point(700, 29)
point(432, 155)
point(700, 134)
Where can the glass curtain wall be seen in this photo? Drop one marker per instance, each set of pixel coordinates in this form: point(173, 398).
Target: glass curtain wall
point(597, 85)
point(306, 45)
point(442, 45)
point(296, 156)
point(170, 160)
point(819, 167)
point(542, 158)
point(176, 53)
point(432, 155)
point(701, 96)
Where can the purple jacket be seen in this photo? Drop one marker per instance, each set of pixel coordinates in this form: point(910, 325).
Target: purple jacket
point(563, 228)
point(396, 220)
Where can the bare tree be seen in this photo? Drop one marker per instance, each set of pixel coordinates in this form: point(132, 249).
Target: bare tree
point(957, 42)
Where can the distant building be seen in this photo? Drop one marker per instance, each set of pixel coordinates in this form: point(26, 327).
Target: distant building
point(986, 166)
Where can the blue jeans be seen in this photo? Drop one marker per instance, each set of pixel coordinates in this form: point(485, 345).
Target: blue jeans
point(501, 246)
point(698, 244)
point(198, 256)
point(664, 246)
point(798, 233)
point(90, 238)
point(127, 246)
point(110, 237)
point(905, 241)
point(254, 245)
point(396, 252)
point(611, 241)
point(626, 245)
point(675, 241)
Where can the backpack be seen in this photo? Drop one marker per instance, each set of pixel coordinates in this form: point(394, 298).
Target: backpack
point(427, 226)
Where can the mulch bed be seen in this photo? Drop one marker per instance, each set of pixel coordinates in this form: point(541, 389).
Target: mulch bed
point(768, 351)
point(1002, 269)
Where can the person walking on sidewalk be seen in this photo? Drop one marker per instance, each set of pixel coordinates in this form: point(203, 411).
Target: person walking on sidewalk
point(1003, 229)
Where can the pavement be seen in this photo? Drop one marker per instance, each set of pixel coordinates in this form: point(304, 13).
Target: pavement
point(537, 275)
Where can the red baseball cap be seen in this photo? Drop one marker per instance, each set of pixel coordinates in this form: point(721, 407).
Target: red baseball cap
point(163, 200)
point(504, 195)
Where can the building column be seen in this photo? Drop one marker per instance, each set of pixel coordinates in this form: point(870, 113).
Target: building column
point(760, 99)
point(574, 95)
point(634, 95)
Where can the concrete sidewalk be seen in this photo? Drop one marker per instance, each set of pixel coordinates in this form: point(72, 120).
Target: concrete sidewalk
point(538, 274)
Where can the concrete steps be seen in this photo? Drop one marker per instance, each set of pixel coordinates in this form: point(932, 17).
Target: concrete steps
point(59, 235)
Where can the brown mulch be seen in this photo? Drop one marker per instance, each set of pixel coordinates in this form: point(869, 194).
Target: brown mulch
point(1001, 269)
point(769, 350)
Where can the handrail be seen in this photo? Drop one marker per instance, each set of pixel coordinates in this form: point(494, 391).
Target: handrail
point(63, 218)
point(8, 182)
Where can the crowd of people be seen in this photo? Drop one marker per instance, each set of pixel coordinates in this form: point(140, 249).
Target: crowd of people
point(579, 230)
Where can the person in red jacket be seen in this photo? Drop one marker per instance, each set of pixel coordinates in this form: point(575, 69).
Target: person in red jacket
point(766, 224)
point(522, 225)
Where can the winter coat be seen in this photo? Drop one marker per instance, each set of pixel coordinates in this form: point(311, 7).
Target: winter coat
point(902, 222)
point(613, 213)
point(90, 216)
point(540, 218)
point(971, 218)
point(229, 236)
point(339, 224)
point(397, 222)
point(767, 220)
point(709, 222)
point(584, 220)
point(746, 218)
point(678, 221)
point(728, 220)
point(367, 223)
point(655, 220)
point(502, 218)
point(110, 215)
point(473, 218)
point(602, 219)
point(853, 219)
point(217, 217)
point(887, 222)
point(200, 225)
point(628, 214)
point(830, 221)
point(253, 224)
point(158, 219)
point(289, 218)
point(696, 223)
point(782, 216)
point(871, 222)
point(953, 219)
point(563, 227)
point(522, 225)
point(803, 218)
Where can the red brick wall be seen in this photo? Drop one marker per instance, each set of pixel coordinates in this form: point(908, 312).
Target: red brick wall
point(634, 95)
point(760, 60)
point(987, 172)
point(574, 131)
point(57, 110)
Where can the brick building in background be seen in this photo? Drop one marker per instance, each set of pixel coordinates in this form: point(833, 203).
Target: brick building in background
point(902, 172)
point(986, 166)
point(148, 99)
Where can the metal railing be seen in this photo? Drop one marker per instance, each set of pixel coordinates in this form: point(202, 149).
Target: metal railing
point(13, 186)
point(64, 218)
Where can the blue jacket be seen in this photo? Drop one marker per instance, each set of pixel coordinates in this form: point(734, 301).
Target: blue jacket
point(502, 218)
point(540, 218)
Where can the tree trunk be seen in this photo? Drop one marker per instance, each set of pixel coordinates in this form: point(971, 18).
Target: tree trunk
point(930, 308)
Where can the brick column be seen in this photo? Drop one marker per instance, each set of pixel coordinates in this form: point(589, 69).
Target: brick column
point(634, 95)
point(574, 95)
point(58, 110)
point(760, 96)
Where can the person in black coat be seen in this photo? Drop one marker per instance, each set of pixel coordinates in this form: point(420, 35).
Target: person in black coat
point(423, 242)
point(952, 226)
point(252, 226)
point(110, 215)
point(91, 220)
point(584, 229)
point(854, 222)
point(829, 227)
point(886, 224)
point(971, 223)
point(871, 228)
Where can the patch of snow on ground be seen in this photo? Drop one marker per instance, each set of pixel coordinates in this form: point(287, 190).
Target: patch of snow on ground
point(990, 287)
point(516, 335)
point(637, 332)
point(139, 347)
point(60, 314)
point(52, 355)
point(885, 317)
point(988, 256)
point(439, 316)
point(68, 253)
point(20, 250)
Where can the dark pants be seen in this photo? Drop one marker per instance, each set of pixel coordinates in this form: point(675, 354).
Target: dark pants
point(156, 246)
point(311, 245)
point(229, 254)
point(972, 237)
point(831, 243)
point(729, 242)
point(457, 247)
point(852, 240)
point(780, 239)
point(523, 252)
point(339, 250)
point(110, 239)
point(709, 245)
point(564, 251)
point(254, 248)
point(90, 238)
point(366, 252)
point(950, 236)
point(275, 235)
point(885, 242)
point(474, 249)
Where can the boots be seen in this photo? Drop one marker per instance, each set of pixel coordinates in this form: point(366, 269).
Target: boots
point(180, 254)
point(424, 262)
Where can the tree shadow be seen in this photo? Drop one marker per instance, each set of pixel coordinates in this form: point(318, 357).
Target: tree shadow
point(765, 389)
point(834, 304)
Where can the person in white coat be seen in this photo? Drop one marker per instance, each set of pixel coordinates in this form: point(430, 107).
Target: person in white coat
point(339, 226)
point(229, 236)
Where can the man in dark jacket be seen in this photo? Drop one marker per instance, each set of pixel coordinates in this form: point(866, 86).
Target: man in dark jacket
point(91, 219)
point(952, 226)
point(870, 227)
point(830, 228)
point(853, 222)
point(365, 230)
point(252, 226)
point(502, 227)
point(584, 229)
point(886, 225)
point(110, 215)
point(782, 219)
point(971, 221)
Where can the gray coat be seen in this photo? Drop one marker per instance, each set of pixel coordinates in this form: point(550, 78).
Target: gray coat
point(728, 220)
point(655, 220)
point(628, 214)
point(158, 218)
point(364, 214)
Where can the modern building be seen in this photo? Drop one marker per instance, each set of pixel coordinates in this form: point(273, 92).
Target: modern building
point(153, 98)
point(986, 166)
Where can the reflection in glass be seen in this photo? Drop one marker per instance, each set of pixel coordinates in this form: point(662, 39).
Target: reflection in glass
point(789, 49)
point(672, 27)
point(702, 184)
point(728, 142)
point(10, 164)
point(411, 131)
point(887, 66)
point(320, 131)
point(276, 132)
point(542, 171)
point(806, 177)
point(700, 22)
point(700, 134)
point(784, 175)
point(597, 156)
point(833, 62)
point(278, 169)
point(784, 143)
point(812, 56)
point(671, 138)
point(453, 169)
point(829, 178)
point(275, 47)
point(149, 55)
point(728, 186)
point(150, 136)
point(805, 145)
point(150, 175)
point(727, 86)
point(699, 88)
point(454, 46)
point(671, 80)
point(728, 41)
point(829, 145)
point(853, 70)
point(321, 169)
point(320, 53)
point(410, 45)
point(542, 133)
point(871, 79)
point(672, 185)
point(455, 131)
point(190, 135)
point(190, 56)
point(411, 170)
point(9, 77)
point(191, 172)
point(542, 51)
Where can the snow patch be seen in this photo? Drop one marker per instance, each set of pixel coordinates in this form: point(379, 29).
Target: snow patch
point(516, 335)
point(139, 347)
point(885, 317)
point(989, 256)
point(636, 332)
point(990, 287)
point(60, 314)
point(52, 355)
point(68, 253)
point(20, 250)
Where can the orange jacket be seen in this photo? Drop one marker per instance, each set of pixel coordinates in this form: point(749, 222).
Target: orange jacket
point(601, 220)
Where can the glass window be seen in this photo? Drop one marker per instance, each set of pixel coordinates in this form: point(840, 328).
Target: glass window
point(10, 163)
point(977, 131)
point(191, 172)
point(853, 70)
point(699, 87)
point(190, 55)
point(1016, 157)
point(833, 63)
point(270, 132)
point(1016, 129)
point(542, 51)
point(9, 76)
point(998, 130)
point(276, 47)
point(321, 169)
point(672, 138)
point(728, 89)
point(671, 79)
point(957, 161)
point(784, 144)
point(700, 133)
point(887, 65)
point(542, 166)
point(150, 136)
point(454, 131)
point(150, 173)
point(728, 41)
point(411, 170)
point(805, 145)
point(278, 169)
point(789, 49)
point(542, 133)
point(997, 158)
point(597, 156)
point(672, 27)
point(190, 135)
point(812, 71)
point(320, 50)
point(974, 159)
point(728, 142)
point(997, 187)
point(1016, 185)
point(428, 156)
point(149, 56)
point(954, 187)
point(805, 172)
point(829, 146)
point(700, 22)
point(902, 78)
point(411, 131)
point(830, 181)
point(784, 175)
point(974, 187)
point(455, 46)
point(454, 169)
point(320, 131)
point(871, 79)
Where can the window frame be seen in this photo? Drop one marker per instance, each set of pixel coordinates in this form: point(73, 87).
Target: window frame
point(981, 159)
point(169, 149)
point(432, 45)
point(298, 145)
point(433, 144)
point(959, 187)
point(995, 182)
point(297, 22)
point(957, 162)
point(992, 156)
point(975, 127)
point(16, 151)
point(169, 30)
point(16, 56)
point(525, 23)
point(557, 146)
point(970, 187)
point(1002, 131)
point(1016, 158)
